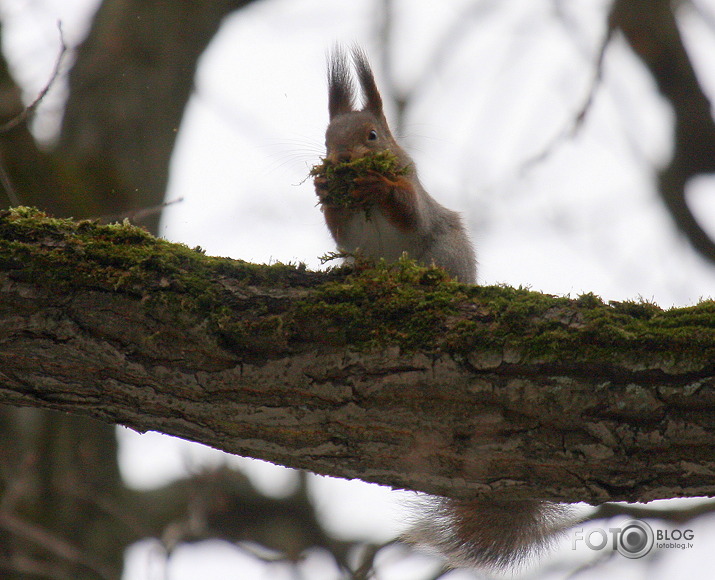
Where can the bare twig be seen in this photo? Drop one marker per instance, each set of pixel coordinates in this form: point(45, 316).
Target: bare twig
point(704, 13)
point(674, 515)
point(595, 82)
point(385, 28)
point(22, 116)
point(53, 544)
point(7, 185)
point(459, 30)
point(19, 564)
point(366, 568)
point(27, 111)
point(136, 215)
point(576, 122)
point(651, 29)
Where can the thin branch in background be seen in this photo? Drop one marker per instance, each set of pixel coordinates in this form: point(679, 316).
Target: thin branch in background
point(459, 31)
point(108, 506)
point(136, 215)
point(575, 124)
point(366, 568)
point(23, 115)
point(704, 13)
point(595, 83)
point(597, 562)
point(448, 41)
point(53, 544)
point(20, 564)
point(441, 573)
point(27, 111)
point(7, 185)
point(679, 515)
point(665, 56)
point(16, 480)
point(385, 29)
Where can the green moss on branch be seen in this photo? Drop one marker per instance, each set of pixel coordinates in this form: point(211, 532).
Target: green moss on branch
point(369, 307)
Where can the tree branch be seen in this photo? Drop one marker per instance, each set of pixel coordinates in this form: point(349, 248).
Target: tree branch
point(52, 544)
point(397, 376)
point(23, 115)
point(652, 32)
point(128, 88)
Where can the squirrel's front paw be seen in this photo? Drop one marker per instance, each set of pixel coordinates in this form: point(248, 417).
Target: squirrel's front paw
point(321, 186)
point(375, 187)
point(371, 186)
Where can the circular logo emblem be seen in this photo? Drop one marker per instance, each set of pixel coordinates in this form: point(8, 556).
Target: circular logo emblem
point(635, 540)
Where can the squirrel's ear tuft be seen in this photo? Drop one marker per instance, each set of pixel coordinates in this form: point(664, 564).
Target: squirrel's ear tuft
point(340, 83)
point(373, 101)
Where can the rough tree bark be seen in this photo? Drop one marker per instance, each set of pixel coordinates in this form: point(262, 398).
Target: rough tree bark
point(64, 506)
point(66, 513)
point(394, 376)
point(134, 71)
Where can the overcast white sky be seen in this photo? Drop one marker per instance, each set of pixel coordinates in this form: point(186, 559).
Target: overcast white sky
point(583, 218)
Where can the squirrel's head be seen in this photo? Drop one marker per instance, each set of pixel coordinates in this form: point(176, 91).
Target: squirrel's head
point(354, 133)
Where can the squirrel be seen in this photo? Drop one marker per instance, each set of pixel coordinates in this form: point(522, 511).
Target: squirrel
point(404, 218)
point(408, 219)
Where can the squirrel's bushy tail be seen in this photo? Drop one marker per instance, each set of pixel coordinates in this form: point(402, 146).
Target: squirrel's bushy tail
point(487, 533)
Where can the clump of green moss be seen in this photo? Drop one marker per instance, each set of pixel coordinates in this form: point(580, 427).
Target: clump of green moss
point(340, 178)
point(380, 304)
point(366, 306)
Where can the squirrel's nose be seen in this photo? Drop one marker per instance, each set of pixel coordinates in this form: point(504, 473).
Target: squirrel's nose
point(340, 156)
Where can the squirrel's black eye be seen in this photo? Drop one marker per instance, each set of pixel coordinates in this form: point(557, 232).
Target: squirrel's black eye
point(372, 135)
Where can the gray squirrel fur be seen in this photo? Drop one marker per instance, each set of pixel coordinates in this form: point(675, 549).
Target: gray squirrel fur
point(409, 220)
point(481, 532)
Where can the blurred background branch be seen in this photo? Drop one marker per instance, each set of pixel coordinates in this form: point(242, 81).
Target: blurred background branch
point(128, 85)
